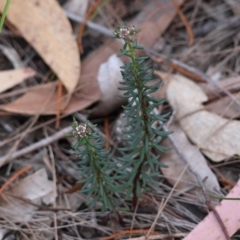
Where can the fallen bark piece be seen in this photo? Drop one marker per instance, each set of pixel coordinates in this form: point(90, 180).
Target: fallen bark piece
point(228, 210)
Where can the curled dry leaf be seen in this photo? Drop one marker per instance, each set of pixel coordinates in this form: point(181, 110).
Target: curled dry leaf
point(196, 161)
point(36, 188)
point(11, 78)
point(216, 136)
point(45, 26)
point(229, 212)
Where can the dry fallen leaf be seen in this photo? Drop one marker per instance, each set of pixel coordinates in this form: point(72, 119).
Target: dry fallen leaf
point(76, 6)
point(197, 164)
point(229, 212)
point(90, 91)
point(216, 136)
point(153, 25)
point(11, 78)
point(36, 188)
point(74, 200)
point(230, 84)
point(43, 100)
point(225, 107)
point(45, 26)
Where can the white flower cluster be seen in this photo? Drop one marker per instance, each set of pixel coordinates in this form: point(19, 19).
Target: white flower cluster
point(125, 32)
point(81, 131)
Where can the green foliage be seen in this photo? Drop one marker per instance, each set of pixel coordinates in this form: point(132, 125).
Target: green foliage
point(4, 14)
point(101, 177)
point(96, 167)
point(142, 137)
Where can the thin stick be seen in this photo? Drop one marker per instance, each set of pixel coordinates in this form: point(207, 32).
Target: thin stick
point(40, 207)
point(43, 143)
point(53, 170)
point(185, 22)
point(6, 158)
point(94, 26)
point(134, 216)
point(59, 103)
point(82, 26)
point(155, 220)
point(195, 71)
point(226, 182)
point(161, 236)
point(106, 131)
point(213, 209)
point(15, 176)
point(127, 232)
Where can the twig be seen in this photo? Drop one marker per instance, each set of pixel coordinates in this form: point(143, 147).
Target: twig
point(75, 188)
point(82, 26)
point(195, 71)
point(15, 176)
point(161, 236)
point(185, 22)
point(90, 24)
point(155, 220)
point(194, 12)
point(212, 208)
point(40, 207)
point(43, 143)
point(10, 153)
point(127, 232)
point(59, 103)
point(53, 169)
point(106, 130)
point(226, 181)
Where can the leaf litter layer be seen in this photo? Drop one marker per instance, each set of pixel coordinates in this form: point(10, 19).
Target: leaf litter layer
point(200, 42)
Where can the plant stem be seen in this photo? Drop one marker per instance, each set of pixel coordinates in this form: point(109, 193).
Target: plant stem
point(223, 198)
point(4, 14)
point(141, 136)
point(98, 171)
point(143, 102)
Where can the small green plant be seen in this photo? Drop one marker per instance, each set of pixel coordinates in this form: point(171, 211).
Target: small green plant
point(101, 177)
point(95, 166)
point(141, 135)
